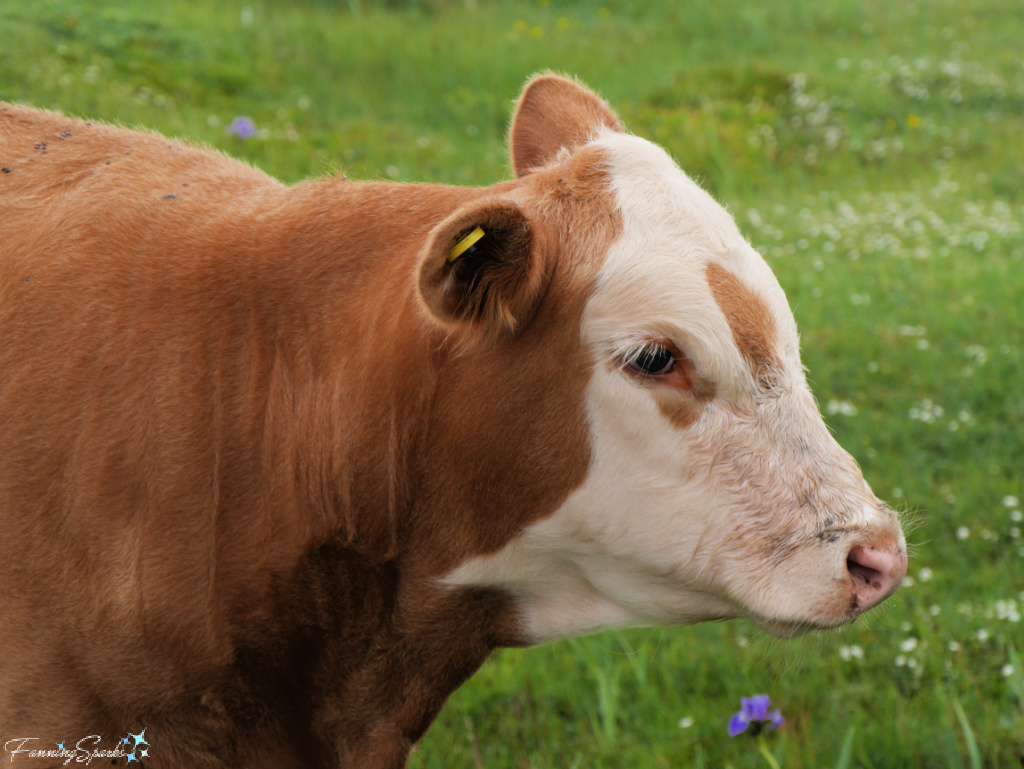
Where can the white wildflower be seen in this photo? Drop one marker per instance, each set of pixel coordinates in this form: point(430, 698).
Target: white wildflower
point(848, 653)
point(845, 408)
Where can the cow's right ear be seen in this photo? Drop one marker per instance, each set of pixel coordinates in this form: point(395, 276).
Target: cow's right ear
point(485, 266)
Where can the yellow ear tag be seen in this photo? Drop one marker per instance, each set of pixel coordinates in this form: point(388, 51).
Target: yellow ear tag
point(465, 243)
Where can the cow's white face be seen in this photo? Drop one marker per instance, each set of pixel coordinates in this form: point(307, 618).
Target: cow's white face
point(715, 489)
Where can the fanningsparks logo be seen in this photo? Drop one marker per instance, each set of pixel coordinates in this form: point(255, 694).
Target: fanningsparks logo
point(133, 747)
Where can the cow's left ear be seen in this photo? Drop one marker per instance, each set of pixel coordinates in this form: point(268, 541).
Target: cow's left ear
point(554, 112)
point(485, 266)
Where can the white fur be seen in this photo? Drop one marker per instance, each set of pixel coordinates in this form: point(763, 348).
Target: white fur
point(677, 524)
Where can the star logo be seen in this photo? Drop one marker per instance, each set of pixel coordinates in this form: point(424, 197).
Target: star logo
point(140, 738)
point(131, 757)
point(60, 745)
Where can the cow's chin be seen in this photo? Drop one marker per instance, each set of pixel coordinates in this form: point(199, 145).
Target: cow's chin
point(792, 627)
point(786, 629)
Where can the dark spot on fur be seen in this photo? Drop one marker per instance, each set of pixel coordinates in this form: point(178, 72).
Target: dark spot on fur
point(7, 169)
point(831, 534)
point(108, 162)
point(41, 146)
point(28, 279)
point(185, 184)
point(170, 197)
point(127, 152)
point(64, 134)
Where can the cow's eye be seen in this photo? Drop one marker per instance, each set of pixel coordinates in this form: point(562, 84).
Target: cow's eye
point(651, 360)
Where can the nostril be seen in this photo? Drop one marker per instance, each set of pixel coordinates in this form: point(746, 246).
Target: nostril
point(876, 572)
point(861, 572)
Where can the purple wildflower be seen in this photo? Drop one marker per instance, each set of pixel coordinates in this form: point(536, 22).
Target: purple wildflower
point(242, 127)
point(755, 714)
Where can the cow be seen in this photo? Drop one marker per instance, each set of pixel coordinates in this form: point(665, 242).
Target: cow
point(280, 466)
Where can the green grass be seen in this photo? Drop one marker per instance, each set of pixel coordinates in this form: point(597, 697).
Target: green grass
point(871, 150)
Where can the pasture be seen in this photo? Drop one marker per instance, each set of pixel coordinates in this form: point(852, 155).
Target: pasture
point(872, 152)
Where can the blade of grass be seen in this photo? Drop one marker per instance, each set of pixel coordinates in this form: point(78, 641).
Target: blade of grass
point(972, 744)
point(1017, 680)
point(763, 748)
point(846, 752)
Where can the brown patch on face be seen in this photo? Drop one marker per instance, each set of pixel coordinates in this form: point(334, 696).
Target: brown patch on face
point(681, 412)
point(751, 322)
point(681, 399)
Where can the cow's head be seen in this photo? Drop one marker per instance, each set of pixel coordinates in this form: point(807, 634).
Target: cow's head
point(710, 486)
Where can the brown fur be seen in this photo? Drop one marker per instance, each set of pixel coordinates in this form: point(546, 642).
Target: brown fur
point(237, 451)
point(500, 283)
point(750, 320)
point(684, 402)
point(552, 113)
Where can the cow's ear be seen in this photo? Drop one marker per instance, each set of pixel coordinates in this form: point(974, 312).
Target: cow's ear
point(486, 266)
point(554, 112)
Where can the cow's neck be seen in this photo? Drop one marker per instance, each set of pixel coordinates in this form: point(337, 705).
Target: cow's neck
point(380, 652)
point(408, 675)
point(358, 618)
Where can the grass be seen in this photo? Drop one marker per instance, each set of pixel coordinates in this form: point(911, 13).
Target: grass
point(871, 151)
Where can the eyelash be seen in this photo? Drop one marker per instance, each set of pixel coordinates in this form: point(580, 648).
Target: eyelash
point(651, 360)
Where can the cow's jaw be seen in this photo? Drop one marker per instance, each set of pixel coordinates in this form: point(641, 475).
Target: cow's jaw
point(726, 497)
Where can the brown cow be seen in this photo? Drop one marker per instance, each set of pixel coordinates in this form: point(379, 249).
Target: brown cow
point(280, 466)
